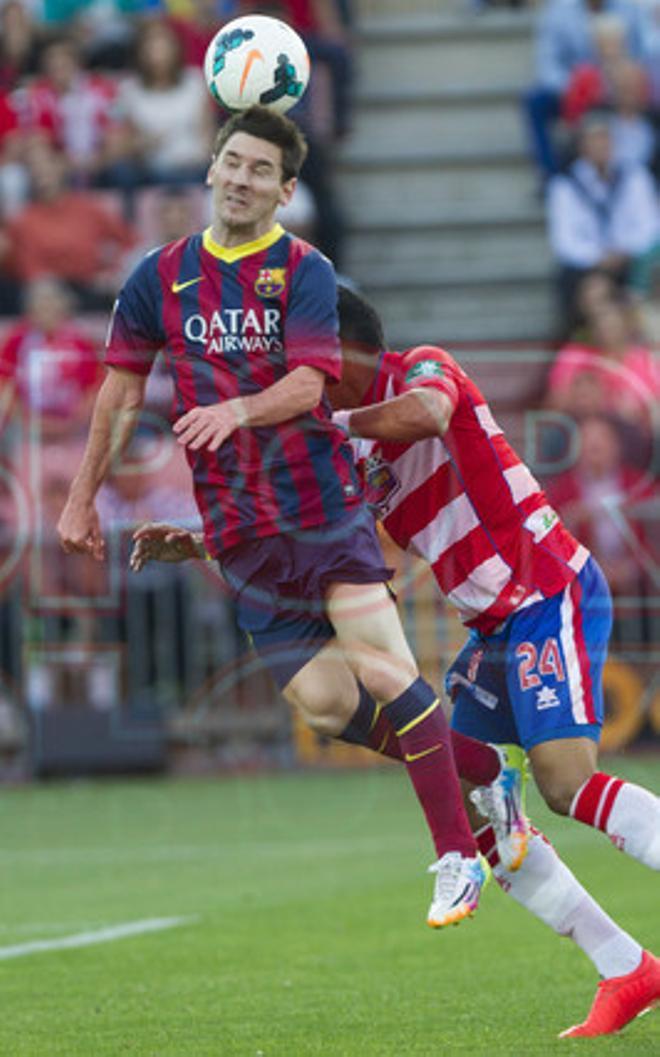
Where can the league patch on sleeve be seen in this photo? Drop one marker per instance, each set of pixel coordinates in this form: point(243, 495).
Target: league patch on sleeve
point(425, 369)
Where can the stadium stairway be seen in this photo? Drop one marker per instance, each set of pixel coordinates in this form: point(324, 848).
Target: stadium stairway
point(445, 231)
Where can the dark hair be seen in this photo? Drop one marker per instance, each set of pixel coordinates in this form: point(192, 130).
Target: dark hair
point(148, 30)
point(262, 123)
point(359, 323)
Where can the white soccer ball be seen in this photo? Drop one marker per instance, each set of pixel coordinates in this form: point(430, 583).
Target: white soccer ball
point(256, 59)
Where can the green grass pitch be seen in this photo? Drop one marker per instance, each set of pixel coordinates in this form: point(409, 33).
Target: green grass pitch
point(310, 895)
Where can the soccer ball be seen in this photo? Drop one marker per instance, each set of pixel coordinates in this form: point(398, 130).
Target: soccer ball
point(256, 59)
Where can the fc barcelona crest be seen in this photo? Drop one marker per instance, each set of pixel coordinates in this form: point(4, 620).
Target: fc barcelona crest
point(270, 282)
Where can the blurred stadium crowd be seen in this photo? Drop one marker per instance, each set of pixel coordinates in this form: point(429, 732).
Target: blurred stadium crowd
point(105, 133)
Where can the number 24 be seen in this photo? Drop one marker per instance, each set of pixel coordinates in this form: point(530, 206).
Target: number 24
point(548, 663)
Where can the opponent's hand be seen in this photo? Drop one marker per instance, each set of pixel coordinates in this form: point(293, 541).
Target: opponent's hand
point(79, 530)
point(209, 426)
point(163, 543)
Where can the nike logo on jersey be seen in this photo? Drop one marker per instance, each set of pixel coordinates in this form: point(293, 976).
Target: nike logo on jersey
point(410, 757)
point(178, 287)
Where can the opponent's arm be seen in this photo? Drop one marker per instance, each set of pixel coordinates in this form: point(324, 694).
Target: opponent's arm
point(115, 414)
point(414, 415)
point(160, 542)
point(291, 396)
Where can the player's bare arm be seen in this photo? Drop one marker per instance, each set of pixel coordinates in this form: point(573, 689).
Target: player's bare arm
point(160, 542)
point(415, 415)
point(210, 426)
point(116, 409)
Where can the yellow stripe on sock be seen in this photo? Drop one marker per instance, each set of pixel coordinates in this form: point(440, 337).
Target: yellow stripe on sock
point(379, 709)
point(383, 742)
point(418, 719)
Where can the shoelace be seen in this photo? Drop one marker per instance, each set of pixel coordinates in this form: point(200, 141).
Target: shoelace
point(447, 870)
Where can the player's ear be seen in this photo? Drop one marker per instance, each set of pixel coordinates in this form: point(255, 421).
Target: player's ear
point(209, 172)
point(286, 191)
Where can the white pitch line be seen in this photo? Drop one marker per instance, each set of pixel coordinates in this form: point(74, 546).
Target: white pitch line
point(88, 939)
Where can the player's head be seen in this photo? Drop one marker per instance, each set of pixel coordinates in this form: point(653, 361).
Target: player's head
point(362, 341)
point(256, 160)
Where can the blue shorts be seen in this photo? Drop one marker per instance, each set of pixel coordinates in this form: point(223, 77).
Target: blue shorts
point(540, 677)
point(279, 586)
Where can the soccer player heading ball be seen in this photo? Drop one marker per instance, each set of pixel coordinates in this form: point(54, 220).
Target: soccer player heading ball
point(246, 316)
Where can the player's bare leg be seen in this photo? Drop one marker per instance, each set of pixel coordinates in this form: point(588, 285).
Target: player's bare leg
point(326, 693)
point(566, 772)
point(370, 634)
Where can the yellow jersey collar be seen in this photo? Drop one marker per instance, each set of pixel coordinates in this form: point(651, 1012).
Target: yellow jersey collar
point(234, 253)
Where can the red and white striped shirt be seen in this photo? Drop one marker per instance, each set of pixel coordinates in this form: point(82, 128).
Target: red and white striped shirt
point(465, 502)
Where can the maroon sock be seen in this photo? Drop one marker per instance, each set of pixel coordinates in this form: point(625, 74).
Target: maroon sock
point(424, 739)
point(381, 738)
point(476, 761)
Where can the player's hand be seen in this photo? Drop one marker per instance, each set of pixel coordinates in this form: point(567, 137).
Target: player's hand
point(210, 426)
point(79, 530)
point(162, 543)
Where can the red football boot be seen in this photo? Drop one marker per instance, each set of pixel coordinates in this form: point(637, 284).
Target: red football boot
point(621, 999)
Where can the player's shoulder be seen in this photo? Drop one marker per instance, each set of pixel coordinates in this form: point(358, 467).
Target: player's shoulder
point(300, 249)
point(306, 262)
point(165, 256)
point(428, 361)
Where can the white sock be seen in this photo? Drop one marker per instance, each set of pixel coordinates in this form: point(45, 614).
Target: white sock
point(545, 886)
point(628, 814)
point(634, 824)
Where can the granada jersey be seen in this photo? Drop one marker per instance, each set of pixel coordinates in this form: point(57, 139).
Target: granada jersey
point(465, 502)
point(232, 322)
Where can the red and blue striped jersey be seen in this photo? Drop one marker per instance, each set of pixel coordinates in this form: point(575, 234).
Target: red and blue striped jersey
point(232, 322)
point(465, 502)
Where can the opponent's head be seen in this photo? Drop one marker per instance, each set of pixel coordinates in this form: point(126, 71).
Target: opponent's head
point(362, 341)
point(257, 157)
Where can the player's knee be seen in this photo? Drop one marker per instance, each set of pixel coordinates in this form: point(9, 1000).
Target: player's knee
point(382, 675)
point(322, 708)
point(558, 792)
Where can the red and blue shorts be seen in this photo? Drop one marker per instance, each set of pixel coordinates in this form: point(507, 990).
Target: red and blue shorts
point(540, 677)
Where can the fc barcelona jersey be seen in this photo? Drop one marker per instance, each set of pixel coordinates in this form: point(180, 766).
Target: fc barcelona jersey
point(232, 322)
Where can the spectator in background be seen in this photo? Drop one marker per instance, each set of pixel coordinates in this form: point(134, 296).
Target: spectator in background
point(600, 215)
point(610, 373)
point(20, 40)
point(594, 499)
point(10, 290)
point(621, 85)
point(67, 234)
point(49, 366)
point(651, 9)
point(564, 39)
point(165, 113)
point(72, 108)
point(590, 83)
point(13, 174)
point(634, 137)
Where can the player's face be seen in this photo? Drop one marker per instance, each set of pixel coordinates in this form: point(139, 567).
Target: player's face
point(246, 179)
point(358, 369)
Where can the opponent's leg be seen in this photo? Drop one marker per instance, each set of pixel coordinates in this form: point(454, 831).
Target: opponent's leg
point(567, 776)
point(546, 887)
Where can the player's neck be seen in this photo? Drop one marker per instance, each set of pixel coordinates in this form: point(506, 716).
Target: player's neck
point(231, 237)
